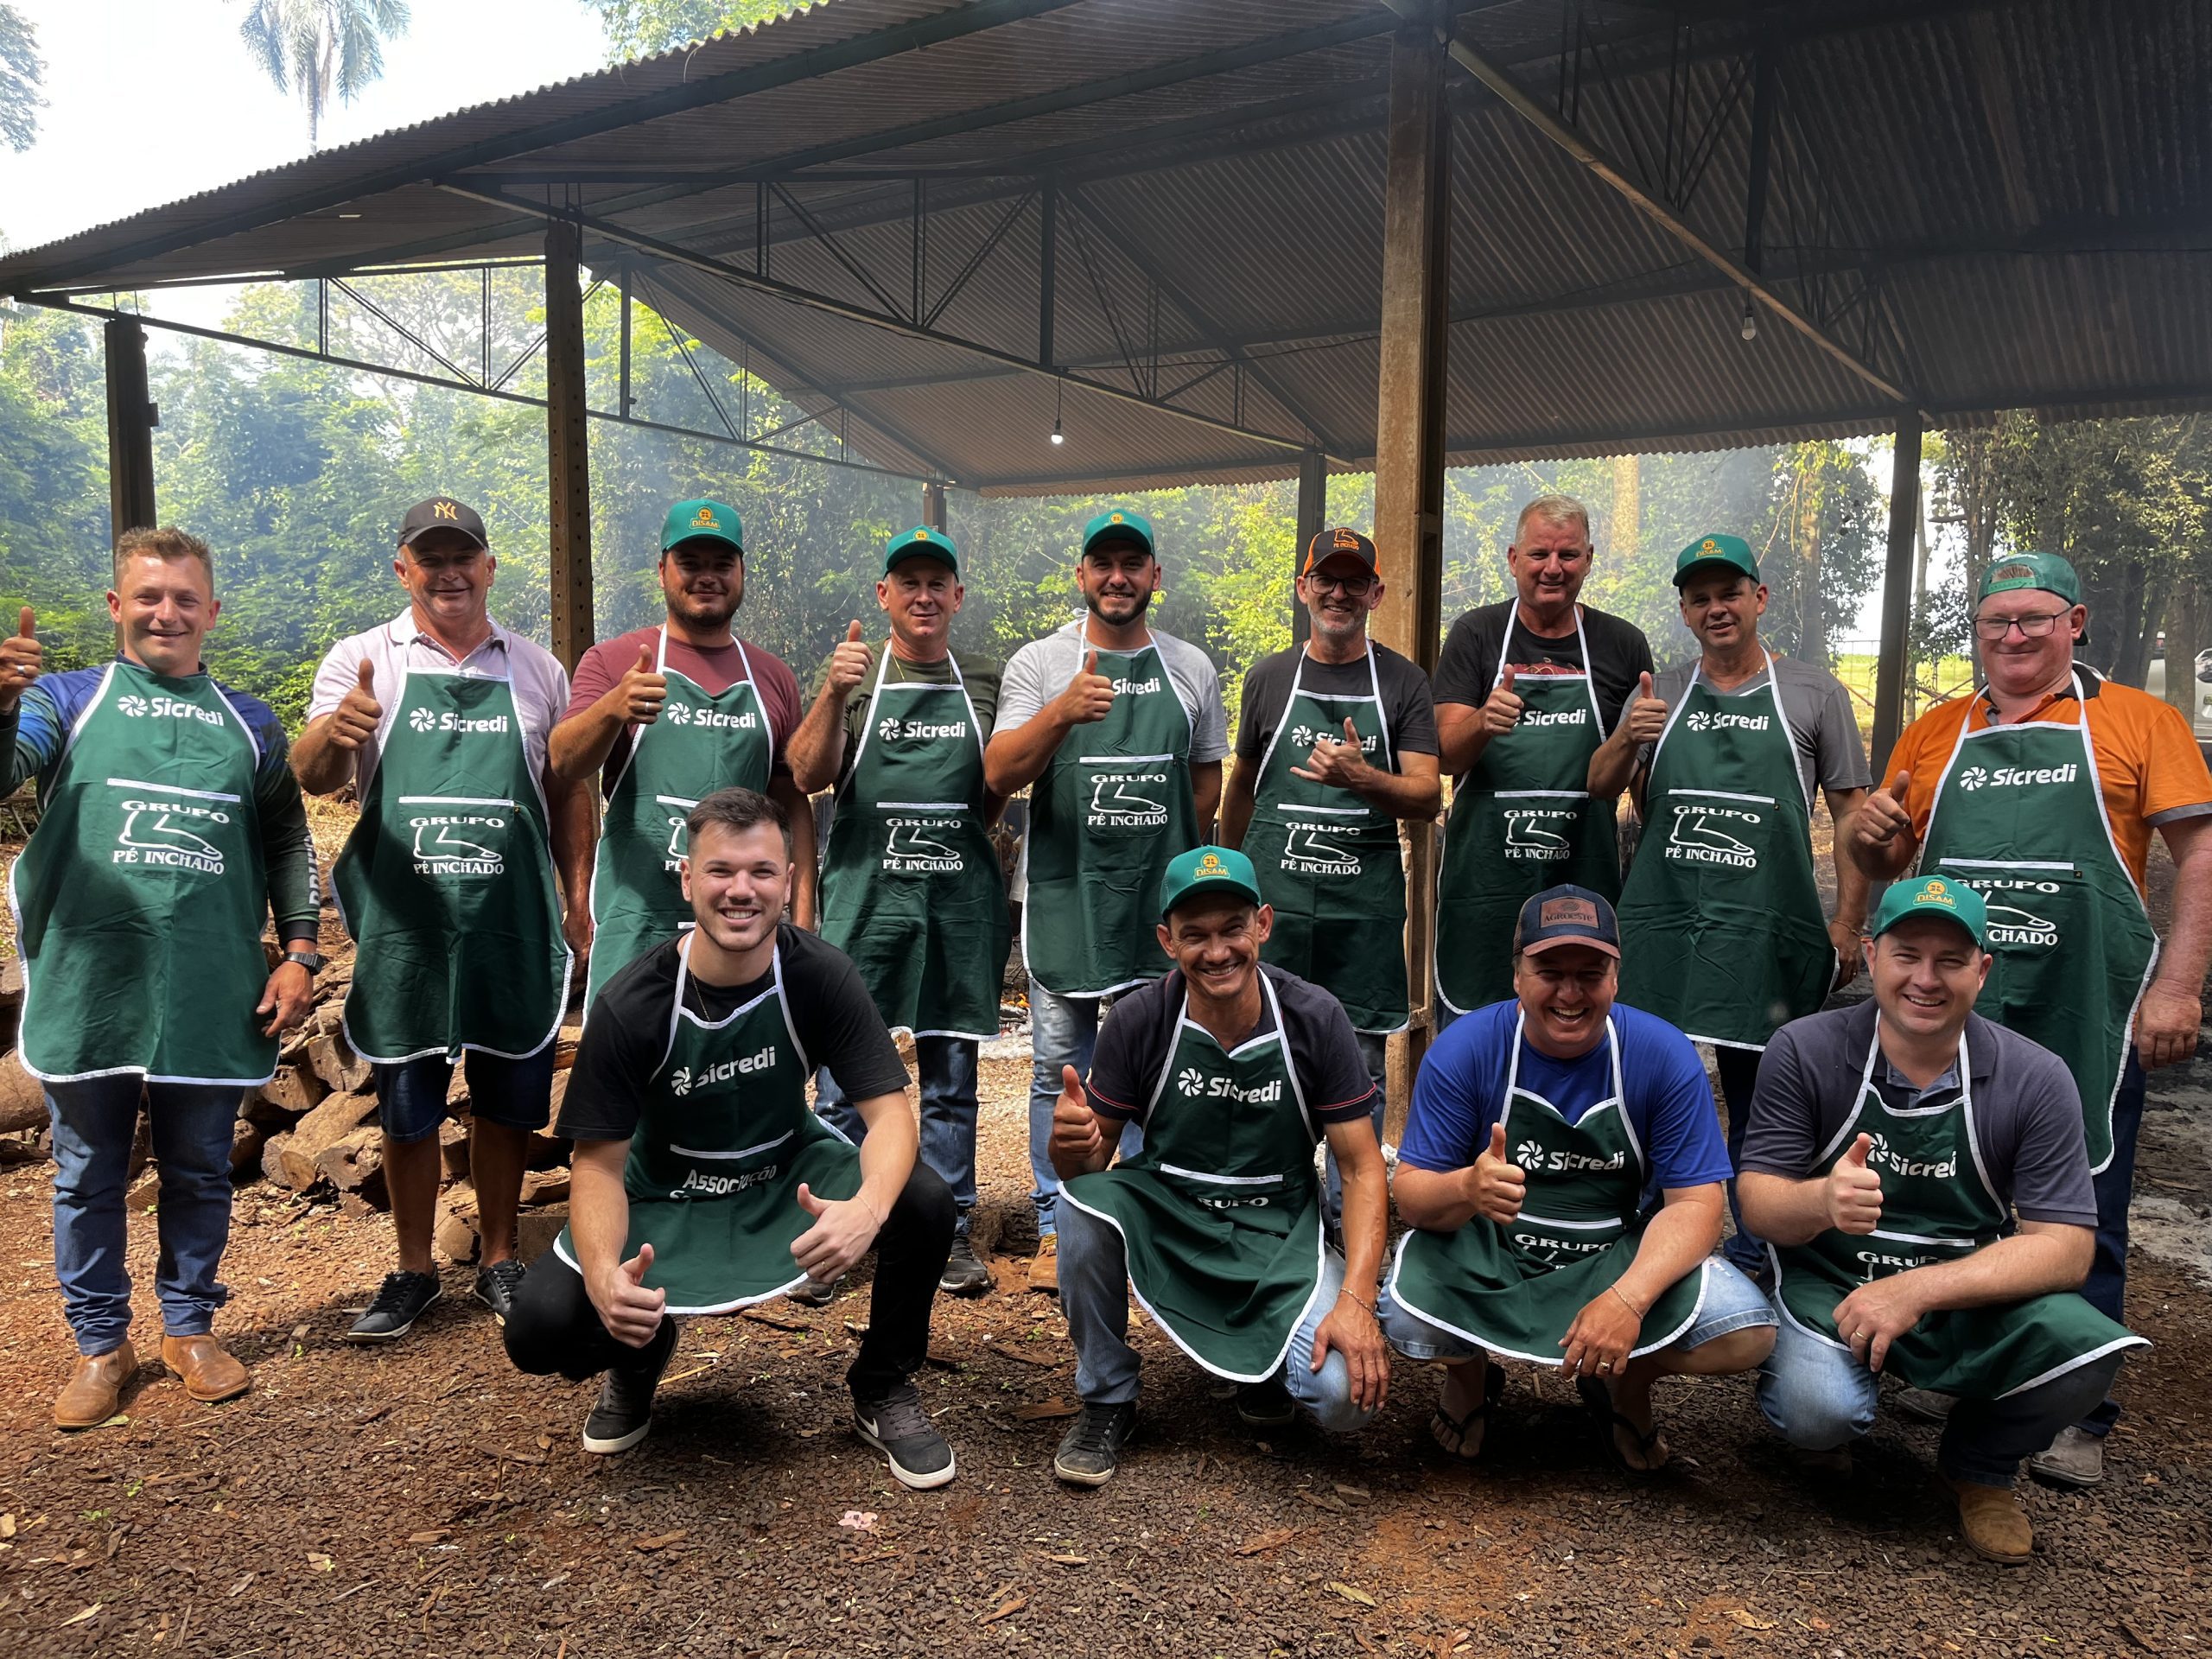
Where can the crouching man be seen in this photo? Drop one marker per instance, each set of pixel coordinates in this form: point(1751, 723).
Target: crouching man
point(1890, 1147)
point(1234, 1071)
point(701, 1181)
point(1536, 1126)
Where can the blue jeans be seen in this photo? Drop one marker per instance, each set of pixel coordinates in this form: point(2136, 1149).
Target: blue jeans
point(1739, 1072)
point(1732, 1303)
point(1095, 1296)
point(411, 1095)
point(2106, 1288)
point(947, 1070)
point(1373, 1054)
point(1820, 1396)
point(94, 1123)
point(1062, 1031)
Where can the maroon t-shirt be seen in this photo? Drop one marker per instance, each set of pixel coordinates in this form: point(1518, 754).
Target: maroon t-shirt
point(716, 670)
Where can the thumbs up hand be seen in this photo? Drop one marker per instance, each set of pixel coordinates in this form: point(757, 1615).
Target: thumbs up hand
point(844, 1230)
point(1502, 710)
point(642, 689)
point(1498, 1187)
point(1882, 818)
point(1853, 1195)
point(630, 1312)
point(1647, 714)
point(1343, 764)
point(21, 658)
point(1078, 1145)
point(1089, 695)
point(849, 663)
point(353, 722)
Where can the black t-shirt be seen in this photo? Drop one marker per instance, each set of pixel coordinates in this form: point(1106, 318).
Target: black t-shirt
point(1468, 664)
point(1139, 1035)
point(1406, 705)
point(626, 1039)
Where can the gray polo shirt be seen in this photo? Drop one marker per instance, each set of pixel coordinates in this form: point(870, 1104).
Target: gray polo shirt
point(2027, 1113)
point(1830, 752)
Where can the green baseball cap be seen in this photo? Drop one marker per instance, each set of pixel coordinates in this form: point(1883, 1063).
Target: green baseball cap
point(1118, 524)
point(2045, 571)
point(1709, 556)
point(1931, 895)
point(1207, 869)
point(701, 519)
point(921, 543)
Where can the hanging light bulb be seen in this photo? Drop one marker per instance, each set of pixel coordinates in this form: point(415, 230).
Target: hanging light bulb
point(1059, 436)
point(1751, 318)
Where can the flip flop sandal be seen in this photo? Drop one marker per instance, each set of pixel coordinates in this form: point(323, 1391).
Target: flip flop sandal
point(1607, 1420)
point(1450, 1432)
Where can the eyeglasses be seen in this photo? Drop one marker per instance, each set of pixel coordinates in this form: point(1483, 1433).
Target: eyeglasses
point(1350, 587)
point(2038, 627)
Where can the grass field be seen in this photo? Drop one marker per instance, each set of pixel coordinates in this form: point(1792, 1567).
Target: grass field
point(1933, 683)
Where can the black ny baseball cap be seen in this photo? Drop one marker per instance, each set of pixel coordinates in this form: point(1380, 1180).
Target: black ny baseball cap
point(442, 512)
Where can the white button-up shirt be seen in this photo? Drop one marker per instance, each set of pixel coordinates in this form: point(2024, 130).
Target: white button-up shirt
point(540, 684)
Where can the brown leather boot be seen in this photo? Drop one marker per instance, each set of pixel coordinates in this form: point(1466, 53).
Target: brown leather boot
point(94, 1388)
point(208, 1372)
point(1044, 1266)
point(1993, 1523)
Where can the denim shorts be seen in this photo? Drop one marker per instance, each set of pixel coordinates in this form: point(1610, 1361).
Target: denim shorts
point(411, 1095)
point(1730, 1302)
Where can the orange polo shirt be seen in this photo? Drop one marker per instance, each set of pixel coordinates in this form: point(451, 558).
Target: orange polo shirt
point(2147, 760)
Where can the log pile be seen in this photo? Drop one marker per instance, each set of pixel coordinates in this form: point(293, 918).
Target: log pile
point(311, 1129)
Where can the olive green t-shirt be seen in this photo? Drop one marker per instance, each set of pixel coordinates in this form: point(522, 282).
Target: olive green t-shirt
point(981, 676)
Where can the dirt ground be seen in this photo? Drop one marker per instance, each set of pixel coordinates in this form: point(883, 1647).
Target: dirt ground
point(427, 1499)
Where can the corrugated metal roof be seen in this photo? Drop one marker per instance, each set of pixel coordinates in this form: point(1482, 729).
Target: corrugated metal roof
point(1995, 205)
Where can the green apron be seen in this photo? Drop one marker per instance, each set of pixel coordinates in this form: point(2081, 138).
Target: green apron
point(1937, 1207)
point(2019, 817)
point(1337, 883)
point(1220, 1213)
point(1522, 821)
point(724, 1138)
point(1722, 932)
point(1113, 807)
point(701, 743)
point(445, 883)
point(1513, 1291)
point(140, 899)
point(911, 889)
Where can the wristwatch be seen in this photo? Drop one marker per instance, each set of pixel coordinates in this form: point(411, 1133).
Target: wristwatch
point(313, 961)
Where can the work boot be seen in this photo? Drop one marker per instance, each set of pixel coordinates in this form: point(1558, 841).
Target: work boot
point(1044, 1266)
point(209, 1373)
point(1993, 1523)
point(964, 1274)
point(94, 1388)
point(2074, 1458)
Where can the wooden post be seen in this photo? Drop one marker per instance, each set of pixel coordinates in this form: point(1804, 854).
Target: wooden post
point(131, 422)
point(1897, 589)
point(933, 507)
point(1312, 514)
point(1409, 449)
point(568, 472)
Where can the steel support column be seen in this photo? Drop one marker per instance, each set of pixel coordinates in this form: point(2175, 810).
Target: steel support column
point(933, 507)
point(1897, 589)
point(1410, 445)
point(1312, 511)
point(568, 473)
point(130, 421)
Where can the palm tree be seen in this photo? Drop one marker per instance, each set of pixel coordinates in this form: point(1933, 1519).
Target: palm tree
point(319, 46)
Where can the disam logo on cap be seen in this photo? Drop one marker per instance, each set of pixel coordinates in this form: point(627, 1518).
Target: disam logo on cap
point(1211, 864)
point(1709, 546)
point(1567, 913)
point(704, 520)
point(1114, 518)
point(1935, 891)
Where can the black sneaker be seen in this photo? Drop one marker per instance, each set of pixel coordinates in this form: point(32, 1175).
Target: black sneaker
point(815, 1294)
point(401, 1299)
point(1265, 1405)
point(897, 1426)
point(1091, 1449)
point(964, 1274)
point(625, 1409)
point(496, 1287)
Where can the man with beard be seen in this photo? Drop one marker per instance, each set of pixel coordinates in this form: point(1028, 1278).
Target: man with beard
point(911, 889)
point(1922, 1178)
point(462, 945)
point(702, 1183)
point(1723, 934)
point(666, 715)
point(1235, 1070)
point(2040, 792)
point(1540, 702)
point(1336, 743)
point(1537, 1127)
point(1120, 728)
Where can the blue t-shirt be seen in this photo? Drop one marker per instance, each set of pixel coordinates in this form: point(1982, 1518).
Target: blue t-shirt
point(1460, 1093)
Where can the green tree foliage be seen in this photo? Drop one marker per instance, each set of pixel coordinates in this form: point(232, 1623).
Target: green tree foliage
point(316, 48)
point(638, 28)
point(21, 70)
